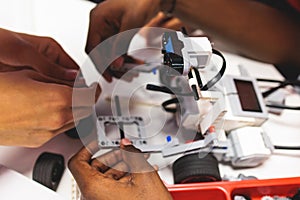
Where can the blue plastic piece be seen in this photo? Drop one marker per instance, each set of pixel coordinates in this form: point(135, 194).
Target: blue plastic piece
point(154, 71)
point(169, 138)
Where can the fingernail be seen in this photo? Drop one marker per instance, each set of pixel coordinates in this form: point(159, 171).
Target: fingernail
point(71, 74)
point(126, 142)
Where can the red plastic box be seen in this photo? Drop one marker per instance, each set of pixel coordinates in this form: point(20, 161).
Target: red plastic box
point(226, 190)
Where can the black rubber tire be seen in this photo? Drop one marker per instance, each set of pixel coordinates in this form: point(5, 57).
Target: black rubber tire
point(192, 168)
point(48, 169)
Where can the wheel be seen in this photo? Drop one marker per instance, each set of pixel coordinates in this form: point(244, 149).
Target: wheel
point(192, 168)
point(48, 169)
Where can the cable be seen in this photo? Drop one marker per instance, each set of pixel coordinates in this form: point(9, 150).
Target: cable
point(166, 105)
point(287, 147)
point(205, 87)
point(219, 75)
point(272, 90)
point(268, 80)
point(283, 107)
point(282, 84)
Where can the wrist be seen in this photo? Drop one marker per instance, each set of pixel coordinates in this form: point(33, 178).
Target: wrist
point(167, 6)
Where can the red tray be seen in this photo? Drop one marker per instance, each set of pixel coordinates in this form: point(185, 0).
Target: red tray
point(226, 190)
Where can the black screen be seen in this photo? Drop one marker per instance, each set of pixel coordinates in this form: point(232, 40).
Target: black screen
point(247, 96)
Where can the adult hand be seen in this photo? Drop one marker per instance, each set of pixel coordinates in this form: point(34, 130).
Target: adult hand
point(125, 170)
point(35, 108)
point(111, 17)
point(43, 54)
point(164, 21)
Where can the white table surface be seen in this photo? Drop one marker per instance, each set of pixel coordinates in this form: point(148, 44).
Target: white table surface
point(67, 22)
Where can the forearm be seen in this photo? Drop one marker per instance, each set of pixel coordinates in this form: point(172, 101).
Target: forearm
point(249, 27)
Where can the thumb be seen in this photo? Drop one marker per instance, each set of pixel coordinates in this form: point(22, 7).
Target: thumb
point(134, 158)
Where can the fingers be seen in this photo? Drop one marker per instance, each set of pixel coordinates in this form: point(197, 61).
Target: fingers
point(105, 21)
point(30, 54)
point(134, 158)
point(93, 38)
point(120, 70)
point(59, 56)
point(83, 157)
point(174, 24)
point(118, 62)
point(8, 68)
point(111, 164)
point(37, 76)
point(107, 76)
point(101, 57)
point(122, 42)
point(125, 75)
point(117, 171)
point(158, 20)
point(47, 56)
point(107, 160)
point(80, 167)
point(130, 59)
point(51, 49)
point(41, 64)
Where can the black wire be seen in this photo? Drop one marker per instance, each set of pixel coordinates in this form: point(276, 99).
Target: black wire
point(268, 80)
point(287, 147)
point(282, 84)
point(283, 107)
point(159, 88)
point(291, 82)
point(272, 90)
point(219, 75)
point(207, 86)
point(166, 105)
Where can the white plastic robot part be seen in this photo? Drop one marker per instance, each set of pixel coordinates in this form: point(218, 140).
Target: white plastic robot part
point(196, 52)
point(251, 146)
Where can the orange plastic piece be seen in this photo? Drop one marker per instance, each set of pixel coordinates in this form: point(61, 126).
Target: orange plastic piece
point(212, 129)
